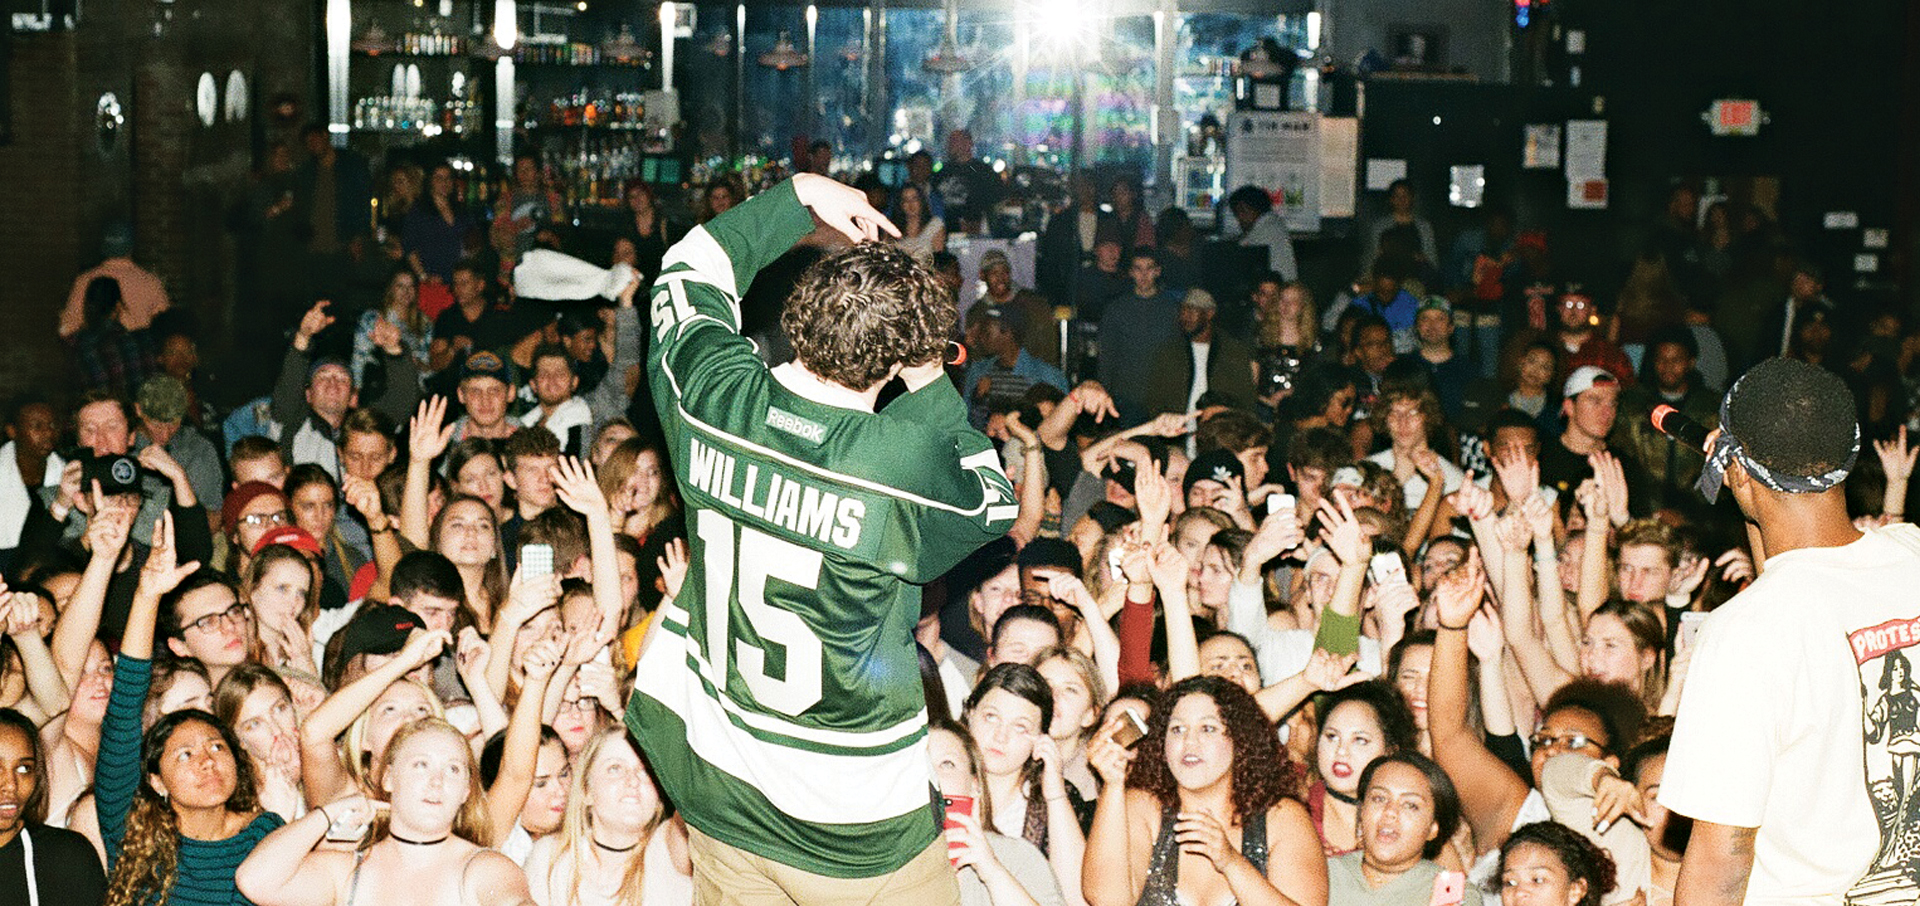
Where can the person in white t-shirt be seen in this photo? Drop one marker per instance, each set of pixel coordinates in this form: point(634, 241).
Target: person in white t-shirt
point(1777, 754)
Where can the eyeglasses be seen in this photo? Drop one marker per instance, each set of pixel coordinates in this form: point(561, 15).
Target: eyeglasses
point(236, 615)
point(278, 517)
point(1566, 743)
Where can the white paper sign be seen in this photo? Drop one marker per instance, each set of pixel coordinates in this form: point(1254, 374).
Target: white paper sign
point(1339, 160)
point(1382, 171)
point(1586, 150)
point(1866, 263)
point(1873, 239)
point(1466, 185)
point(1587, 194)
point(1279, 152)
point(1841, 220)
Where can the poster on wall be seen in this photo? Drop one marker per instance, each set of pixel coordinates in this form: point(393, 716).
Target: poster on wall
point(1279, 152)
point(1541, 148)
point(1339, 163)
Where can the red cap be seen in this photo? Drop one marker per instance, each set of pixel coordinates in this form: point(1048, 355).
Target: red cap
point(292, 536)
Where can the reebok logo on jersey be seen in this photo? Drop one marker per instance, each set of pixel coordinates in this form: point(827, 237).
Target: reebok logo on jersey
point(806, 429)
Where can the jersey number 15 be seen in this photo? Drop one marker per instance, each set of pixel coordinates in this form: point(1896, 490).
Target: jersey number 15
point(739, 560)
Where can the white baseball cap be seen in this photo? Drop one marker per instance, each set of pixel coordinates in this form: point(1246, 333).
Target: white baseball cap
point(1584, 377)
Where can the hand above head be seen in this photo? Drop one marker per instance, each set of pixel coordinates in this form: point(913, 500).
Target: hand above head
point(315, 320)
point(364, 496)
point(385, 335)
point(1092, 398)
point(426, 438)
point(1457, 596)
point(1328, 672)
point(575, 485)
point(1896, 457)
point(1108, 758)
point(422, 646)
point(842, 207)
point(162, 572)
point(1341, 531)
point(1473, 501)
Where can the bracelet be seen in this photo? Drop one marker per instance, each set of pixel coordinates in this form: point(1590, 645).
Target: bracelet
point(325, 814)
point(1453, 628)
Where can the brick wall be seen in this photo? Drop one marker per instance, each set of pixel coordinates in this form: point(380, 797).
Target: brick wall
point(175, 180)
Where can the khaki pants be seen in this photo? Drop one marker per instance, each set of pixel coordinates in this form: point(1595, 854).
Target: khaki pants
point(728, 875)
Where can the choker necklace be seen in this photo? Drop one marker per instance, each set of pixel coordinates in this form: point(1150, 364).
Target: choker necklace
point(399, 839)
point(616, 849)
point(1350, 800)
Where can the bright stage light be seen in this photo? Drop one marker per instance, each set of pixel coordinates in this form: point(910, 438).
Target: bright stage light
point(1062, 27)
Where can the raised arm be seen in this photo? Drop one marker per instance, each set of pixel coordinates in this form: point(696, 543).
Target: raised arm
point(427, 437)
point(320, 766)
point(521, 749)
point(1490, 793)
point(1339, 629)
point(49, 693)
point(527, 596)
point(107, 534)
point(1169, 571)
point(1111, 875)
point(574, 483)
point(1563, 635)
point(1427, 463)
point(364, 496)
point(1594, 582)
point(1542, 672)
point(1896, 459)
point(1032, 489)
point(1101, 639)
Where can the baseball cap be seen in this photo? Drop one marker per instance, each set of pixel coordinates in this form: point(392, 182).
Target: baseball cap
point(486, 364)
point(377, 629)
point(1199, 298)
point(1010, 318)
point(1436, 303)
point(163, 398)
point(1584, 377)
point(1346, 477)
point(994, 258)
point(1214, 465)
point(292, 536)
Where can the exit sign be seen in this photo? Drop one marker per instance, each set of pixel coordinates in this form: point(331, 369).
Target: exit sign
point(1735, 117)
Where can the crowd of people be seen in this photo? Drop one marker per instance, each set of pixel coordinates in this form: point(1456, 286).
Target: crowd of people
point(1383, 599)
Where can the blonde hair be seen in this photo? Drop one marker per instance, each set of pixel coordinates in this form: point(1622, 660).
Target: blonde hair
point(470, 823)
point(575, 839)
point(1307, 323)
point(361, 765)
point(1089, 675)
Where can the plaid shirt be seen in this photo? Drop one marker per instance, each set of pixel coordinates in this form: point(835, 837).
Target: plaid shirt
point(114, 358)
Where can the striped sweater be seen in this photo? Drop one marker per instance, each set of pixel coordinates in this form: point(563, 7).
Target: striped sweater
point(206, 867)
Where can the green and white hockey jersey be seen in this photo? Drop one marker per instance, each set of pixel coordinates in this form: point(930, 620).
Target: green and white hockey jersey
point(780, 702)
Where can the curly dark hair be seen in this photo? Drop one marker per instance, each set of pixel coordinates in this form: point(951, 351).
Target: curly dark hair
point(1579, 856)
point(856, 314)
point(149, 862)
point(1263, 774)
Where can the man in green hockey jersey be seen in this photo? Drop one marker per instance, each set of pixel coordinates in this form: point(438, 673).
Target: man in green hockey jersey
point(778, 695)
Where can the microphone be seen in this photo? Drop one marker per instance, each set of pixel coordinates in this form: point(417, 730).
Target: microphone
point(1670, 422)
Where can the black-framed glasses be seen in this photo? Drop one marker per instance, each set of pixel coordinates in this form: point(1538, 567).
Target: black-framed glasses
point(236, 615)
point(277, 517)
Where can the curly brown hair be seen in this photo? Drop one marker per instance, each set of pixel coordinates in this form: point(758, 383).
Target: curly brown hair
point(856, 314)
point(1262, 774)
point(149, 862)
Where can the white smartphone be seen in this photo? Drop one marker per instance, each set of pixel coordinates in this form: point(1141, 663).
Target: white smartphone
point(536, 560)
point(1387, 569)
point(1690, 623)
point(1280, 502)
point(1114, 557)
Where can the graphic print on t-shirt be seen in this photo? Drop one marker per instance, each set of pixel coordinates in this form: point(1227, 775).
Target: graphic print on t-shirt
point(1890, 702)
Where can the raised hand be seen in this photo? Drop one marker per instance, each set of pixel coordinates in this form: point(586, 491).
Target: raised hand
point(1613, 481)
point(422, 646)
point(574, 484)
point(598, 683)
point(1279, 533)
point(156, 458)
point(528, 594)
point(1169, 568)
point(426, 438)
point(1019, 431)
point(842, 207)
point(1484, 636)
point(1328, 672)
point(1539, 515)
point(1895, 456)
point(673, 566)
point(1171, 424)
point(1593, 501)
point(471, 653)
point(162, 572)
point(385, 335)
point(1108, 758)
point(1341, 531)
point(1136, 564)
point(1686, 579)
point(586, 640)
point(1456, 597)
point(364, 496)
point(1153, 494)
point(1613, 797)
point(1471, 500)
point(541, 659)
point(1063, 586)
point(1514, 533)
point(1736, 565)
point(315, 320)
point(1053, 782)
point(108, 530)
point(1427, 463)
point(1091, 398)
